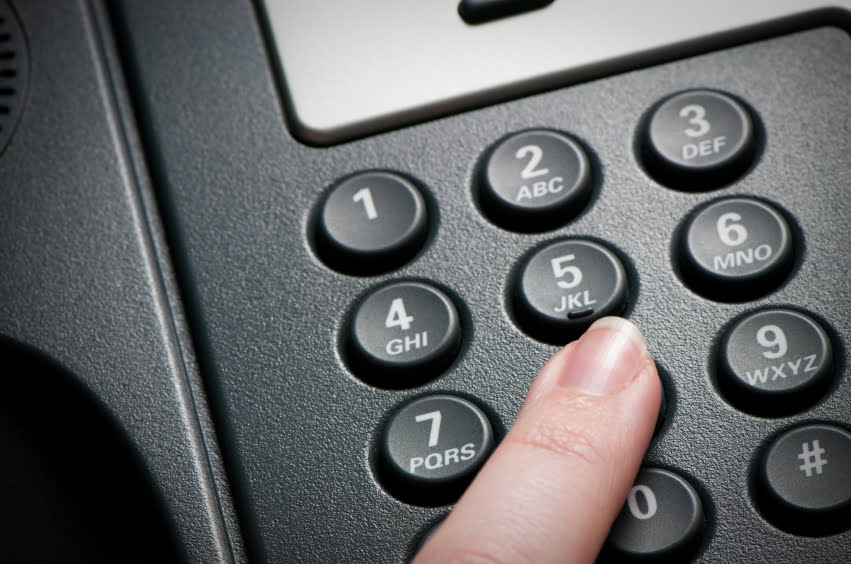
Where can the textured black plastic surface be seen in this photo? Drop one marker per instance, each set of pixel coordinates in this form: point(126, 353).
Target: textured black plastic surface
point(300, 430)
point(119, 443)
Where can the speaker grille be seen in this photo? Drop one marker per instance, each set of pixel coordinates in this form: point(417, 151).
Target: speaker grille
point(13, 72)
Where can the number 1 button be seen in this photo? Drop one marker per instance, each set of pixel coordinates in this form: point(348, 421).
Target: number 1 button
point(371, 222)
point(432, 448)
point(662, 519)
point(403, 334)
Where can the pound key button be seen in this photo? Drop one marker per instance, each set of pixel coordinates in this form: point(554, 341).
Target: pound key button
point(432, 447)
point(775, 362)
point(804, 480)
point(402, 334)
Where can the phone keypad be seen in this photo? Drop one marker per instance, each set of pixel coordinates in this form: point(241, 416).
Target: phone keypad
point(769, 363)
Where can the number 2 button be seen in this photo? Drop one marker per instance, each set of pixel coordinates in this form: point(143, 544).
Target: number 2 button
point(403, 334)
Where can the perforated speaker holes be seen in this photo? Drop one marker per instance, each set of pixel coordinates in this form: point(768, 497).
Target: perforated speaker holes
point(13, 72)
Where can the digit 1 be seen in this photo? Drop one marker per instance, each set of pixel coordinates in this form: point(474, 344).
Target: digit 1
point(365, 196)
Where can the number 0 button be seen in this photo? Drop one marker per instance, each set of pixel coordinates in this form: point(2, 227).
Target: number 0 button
point(535, 180)
point(736, 249)
point(371, 222)
point(403, 334)
point(567, 285)
point(698, 139)
point(775, 362)
point(432, 448)
point(662, 519)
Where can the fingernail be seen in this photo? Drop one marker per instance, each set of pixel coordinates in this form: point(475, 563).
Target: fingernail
point(606, 358)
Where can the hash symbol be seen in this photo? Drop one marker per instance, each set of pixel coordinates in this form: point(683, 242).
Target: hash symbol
point(811, 458)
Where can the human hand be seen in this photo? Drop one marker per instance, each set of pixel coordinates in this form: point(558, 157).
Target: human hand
point(553, 487)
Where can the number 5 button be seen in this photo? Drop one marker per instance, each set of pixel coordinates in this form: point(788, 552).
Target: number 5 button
point(371, 222)
point(432, 447)
point(735, 249)
point(565, 286)
point(403, 334)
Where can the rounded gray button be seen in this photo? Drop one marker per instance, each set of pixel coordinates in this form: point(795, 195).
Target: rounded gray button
point(698, 139)
point(432, 448)
point(775, 362)
point(403, 334)
point(736, 249)
point(804, 483)
point(371, 222)
point(535, 180)
point(567, 285)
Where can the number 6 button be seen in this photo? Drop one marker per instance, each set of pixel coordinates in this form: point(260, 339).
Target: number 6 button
point(403, 334)
point(432, 447)
point(371, 222)
point(775, 362)
point(567, 285)
point(735, 249)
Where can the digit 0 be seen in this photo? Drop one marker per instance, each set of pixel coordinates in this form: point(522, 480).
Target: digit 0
point(649, 498)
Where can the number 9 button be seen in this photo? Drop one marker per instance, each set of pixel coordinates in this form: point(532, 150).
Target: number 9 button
point(567, 285)
point(403, 334)
point(432, 447)
point(371, 222)
point(736, 249)
point(775, 362)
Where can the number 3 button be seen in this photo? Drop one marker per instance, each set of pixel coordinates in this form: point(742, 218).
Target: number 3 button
point(567, 285)
point(735, 249)
point(403, 334)
point(698, 139)
point(371, 222)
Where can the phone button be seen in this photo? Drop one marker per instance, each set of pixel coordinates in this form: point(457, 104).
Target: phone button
point(698, 139)
point(432, 447)
point(565, 286)
point(736, 249)
point(534, 181)
point(371, 222)
point(775, 362)
point(804, 481)
point(403, 334)
point(662, 519)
